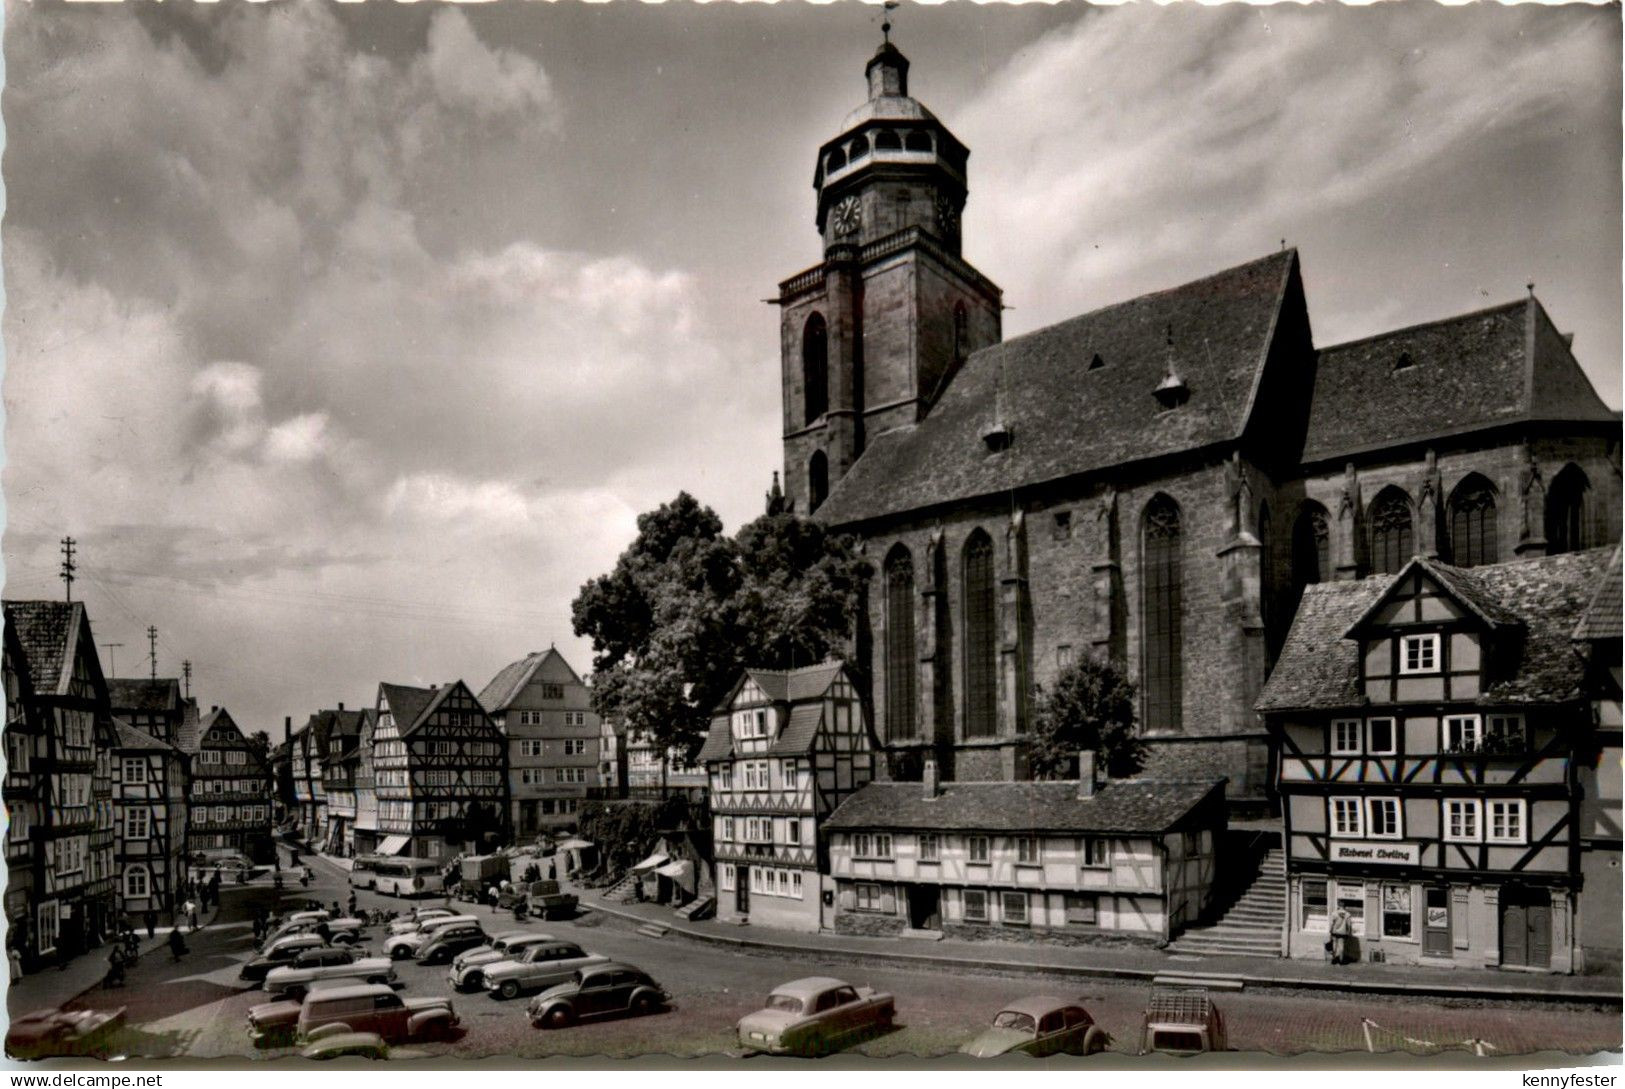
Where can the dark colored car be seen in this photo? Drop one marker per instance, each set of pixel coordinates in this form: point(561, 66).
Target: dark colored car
point(548, 901)
point(600, 991)
point(365, 1007)
point(447, 943)
point(47, 1034)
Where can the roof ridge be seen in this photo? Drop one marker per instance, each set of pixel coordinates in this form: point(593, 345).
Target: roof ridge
point(1429, 324)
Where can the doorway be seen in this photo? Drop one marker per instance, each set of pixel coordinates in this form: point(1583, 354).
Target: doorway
point(1436, 936)
point(742, 890)
point(1526, 927)
point(924, 906)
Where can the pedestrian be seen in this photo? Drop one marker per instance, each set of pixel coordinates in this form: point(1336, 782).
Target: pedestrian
point(350, 903)
point(494, 896)
point(1342, 929)
point(191, 913)
point(151, 919)
point(177, 944)
point(115, 969)
point(16, 958)
point(637, 891)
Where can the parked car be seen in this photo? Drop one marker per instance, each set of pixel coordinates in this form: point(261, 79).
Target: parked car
point(446, 942)
point(414, 919)
point(364, 1007)
point(1040, 1025)
point(279, 952)
point(348, 1045)
point(598, 991)
point(468, 968)
point(815, 1015)
point(341, 931)
point(1182, 1022)
point(548, 901)
point(293, 980)
point(539, 967)
point(49, 1034)
point(404, 946)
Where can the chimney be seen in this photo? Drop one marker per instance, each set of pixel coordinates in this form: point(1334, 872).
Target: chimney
point(341, 705)
point(213, 707)
point(928, 778)
point(287, 728)
point(1086, 774)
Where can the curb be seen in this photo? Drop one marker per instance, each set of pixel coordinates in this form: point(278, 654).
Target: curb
point(1419, 989)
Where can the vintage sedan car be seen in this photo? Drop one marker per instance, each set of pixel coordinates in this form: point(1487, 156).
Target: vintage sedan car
point(448, 941)
point(599, 991)
point(539, 967)
point(815, 1015)
point(49, 1034)
point(1182, 1022)
point(405, 946)
point(363, 1007)
point(341, 931)
point(415, 918)
point(1040, 1025)
point(278, 953)
point(348, 1045)
point(468, 968)
point(294, 980)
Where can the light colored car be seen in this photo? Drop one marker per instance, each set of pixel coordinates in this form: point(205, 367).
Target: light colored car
point(410, 922)
point(340, 931)
point(600, 991)
point(278, 953)
point(348, 1045)
point(1040, 1025)
point(543, 965)
point(404, 946)
point(815, 1015)
point(294, 980)
point(1182, 1022)
point(55, 1033)
point(365, 1007)
point(467, 971)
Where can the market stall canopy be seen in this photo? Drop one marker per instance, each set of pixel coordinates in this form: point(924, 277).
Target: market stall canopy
point(650, 863)
point(574, 845)
point(681, 871)
point(392, 845)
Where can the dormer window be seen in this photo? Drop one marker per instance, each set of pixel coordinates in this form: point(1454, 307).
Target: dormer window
point(998, 437)
point(1404, 362)
point(1419, 654)
point(1096, 363)
point(1171, 392)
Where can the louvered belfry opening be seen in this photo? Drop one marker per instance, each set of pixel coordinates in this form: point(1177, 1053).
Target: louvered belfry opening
point(981, 635)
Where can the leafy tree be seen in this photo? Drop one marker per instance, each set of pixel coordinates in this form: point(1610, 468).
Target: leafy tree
point(1090, 708)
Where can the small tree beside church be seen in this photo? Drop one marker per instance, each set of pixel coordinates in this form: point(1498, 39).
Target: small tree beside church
point(1090, 708)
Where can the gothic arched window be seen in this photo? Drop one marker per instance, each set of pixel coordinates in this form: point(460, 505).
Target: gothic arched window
point(981, 639)
point(817, 481)
point(1311, 546)
point(961, 332)
point(902, 656)
point(1392, 535)
point(1472, 523)
point(815, 367)
point(1162, 614)
point(1566, 529)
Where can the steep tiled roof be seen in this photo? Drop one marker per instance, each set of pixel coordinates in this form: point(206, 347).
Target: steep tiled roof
point(1319, 667)
point(1602, 617)
point(1123, 805)
point(1494, 366)
point(797, 736)
point(1462, 583)
point(509, 682)
point(131, 739)
point(792, 686)
point(1067, 417)
point(219, 717)
point(143, 694)
point(43, 629)
point(718, 742)
point(411, 705)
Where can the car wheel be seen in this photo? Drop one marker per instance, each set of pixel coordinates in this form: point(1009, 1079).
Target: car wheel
point(559, 1017)
point(510, 988)
point(474, 981)
point(400, 952)
point(378, 981)
point(643, 1005)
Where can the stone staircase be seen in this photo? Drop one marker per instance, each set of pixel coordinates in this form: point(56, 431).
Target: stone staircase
point(1251, 925)
point(654, 930)
point(622, 891)
point(702, 908)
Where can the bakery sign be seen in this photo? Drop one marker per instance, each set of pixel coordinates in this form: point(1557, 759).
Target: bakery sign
point(1393, 854)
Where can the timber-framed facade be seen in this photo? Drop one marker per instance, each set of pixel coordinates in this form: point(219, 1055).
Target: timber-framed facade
point(439, 772)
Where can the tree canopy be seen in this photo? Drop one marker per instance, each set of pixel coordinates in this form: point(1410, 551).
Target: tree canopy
point(686, 608)
point(1090, 708)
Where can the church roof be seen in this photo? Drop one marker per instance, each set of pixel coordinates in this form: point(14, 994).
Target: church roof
point(1318, 668)
point(1123, 805)
point(1066, 416)
point(1503, 365)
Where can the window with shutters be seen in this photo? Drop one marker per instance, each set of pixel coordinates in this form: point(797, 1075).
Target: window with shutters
point(981, 639)
point(1161, 576)
point(1393, 539)
point(1472, 523)
point(901, 653)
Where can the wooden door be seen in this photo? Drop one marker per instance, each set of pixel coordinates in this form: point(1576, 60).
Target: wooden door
point(1526, 927)
point(1436, 936)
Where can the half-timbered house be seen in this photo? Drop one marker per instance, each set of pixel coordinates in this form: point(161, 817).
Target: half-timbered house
point(1429, 727)
point(153, 705)
point(1599, 776)
point(70, 906)
point(545, 711)
point(338, 780)
point(150, 780)
point(230, 799)
point(784, 750)
point(307, 756)
point(365, 838)
point(439, 771)
point(1060, 859)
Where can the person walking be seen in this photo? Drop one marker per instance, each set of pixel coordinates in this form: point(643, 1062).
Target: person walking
point(14, 955)
point(191, 913)
point(177, 944)
point(151, 919)
point(115, 969)
point(350, 903)
point(1342, 930)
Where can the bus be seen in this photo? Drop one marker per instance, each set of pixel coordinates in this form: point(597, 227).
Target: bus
point(408, 877)
point(363, 875)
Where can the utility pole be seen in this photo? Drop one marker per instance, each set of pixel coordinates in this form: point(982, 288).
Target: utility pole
point(68, 566)
point(152, 653)
point(186, 671)
point(112, 662)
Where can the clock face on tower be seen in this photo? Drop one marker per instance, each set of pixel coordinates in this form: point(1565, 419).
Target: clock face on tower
point(848, 216)
point(947, 219)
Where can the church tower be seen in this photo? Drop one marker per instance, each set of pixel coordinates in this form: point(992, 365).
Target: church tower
point(870, 335)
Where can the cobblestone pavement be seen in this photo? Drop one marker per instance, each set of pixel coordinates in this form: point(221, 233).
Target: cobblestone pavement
point(198, 1007)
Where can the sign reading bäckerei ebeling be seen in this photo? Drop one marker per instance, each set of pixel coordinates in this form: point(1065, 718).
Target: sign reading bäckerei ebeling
point(1397, 854)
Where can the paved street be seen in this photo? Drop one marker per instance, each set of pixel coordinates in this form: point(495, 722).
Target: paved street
point(199, 1007)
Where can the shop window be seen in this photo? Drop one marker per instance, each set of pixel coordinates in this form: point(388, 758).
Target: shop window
point(1314, 913)
point(1351, 898)
point(1396, 911)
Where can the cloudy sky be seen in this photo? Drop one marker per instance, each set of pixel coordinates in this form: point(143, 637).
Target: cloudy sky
point(348, 341)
